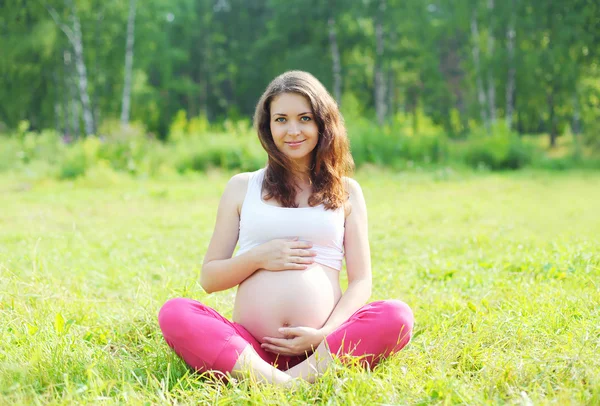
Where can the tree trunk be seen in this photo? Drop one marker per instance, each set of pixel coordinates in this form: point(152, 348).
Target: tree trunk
point(479, 81)
point(576, 124)
point(57, 111)
point(510, 83)
point(380, 106)
point(125, 105)
point(391, 100)
point(66, 92)
point(412, 103)
point(576, 115)
point(77, 43)
point(337, 66)
point(98, 94)
point(552, 118)
point(74, 107)
point(490, 79)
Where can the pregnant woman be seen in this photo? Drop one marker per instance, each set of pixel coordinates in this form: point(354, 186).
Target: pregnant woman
point(295, 221)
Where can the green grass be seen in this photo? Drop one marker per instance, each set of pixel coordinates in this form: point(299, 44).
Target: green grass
point(501, 270)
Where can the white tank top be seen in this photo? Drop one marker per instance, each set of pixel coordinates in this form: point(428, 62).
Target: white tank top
point(261, 222)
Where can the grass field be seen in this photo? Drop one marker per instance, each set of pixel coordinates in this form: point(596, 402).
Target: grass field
point(501, 270)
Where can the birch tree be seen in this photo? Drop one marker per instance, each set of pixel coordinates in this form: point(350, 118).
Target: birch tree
point(478, 73)
point(335, 57)
point(510, 81)
point(490, 75)
point(380, 82)
point(126, 102)
point(73, 34)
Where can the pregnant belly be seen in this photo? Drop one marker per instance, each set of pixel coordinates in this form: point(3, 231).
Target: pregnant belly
point(268, 300)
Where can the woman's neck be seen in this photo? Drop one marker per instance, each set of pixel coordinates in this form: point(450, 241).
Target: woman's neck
point(301, 174)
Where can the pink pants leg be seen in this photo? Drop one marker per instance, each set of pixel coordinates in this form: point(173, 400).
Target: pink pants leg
point(207, 341)
point(374, 332)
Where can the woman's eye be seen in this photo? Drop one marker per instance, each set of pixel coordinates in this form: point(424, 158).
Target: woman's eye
point(280, 119)
point(305, 117)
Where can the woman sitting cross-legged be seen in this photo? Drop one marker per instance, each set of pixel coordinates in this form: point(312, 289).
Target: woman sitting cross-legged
point(295, 221)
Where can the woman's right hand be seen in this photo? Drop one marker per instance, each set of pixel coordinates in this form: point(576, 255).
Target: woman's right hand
point(285, 254)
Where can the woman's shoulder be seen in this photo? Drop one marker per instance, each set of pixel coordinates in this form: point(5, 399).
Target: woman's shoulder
point(237, 187)
point(242, 179)
point(352, 186)
point(355, 195)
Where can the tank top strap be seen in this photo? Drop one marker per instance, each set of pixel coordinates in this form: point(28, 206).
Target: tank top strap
point(255, 185)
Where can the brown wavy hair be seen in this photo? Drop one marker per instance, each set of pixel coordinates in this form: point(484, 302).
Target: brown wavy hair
point(331, 159)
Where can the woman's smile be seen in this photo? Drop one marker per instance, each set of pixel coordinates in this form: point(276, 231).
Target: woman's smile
point(295, 144)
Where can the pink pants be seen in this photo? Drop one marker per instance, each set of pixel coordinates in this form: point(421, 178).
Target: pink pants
point(209, 342)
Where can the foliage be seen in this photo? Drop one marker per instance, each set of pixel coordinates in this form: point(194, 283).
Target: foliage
point(498, 152)
point(212, 60)
point(194, 146)
point(394, 144)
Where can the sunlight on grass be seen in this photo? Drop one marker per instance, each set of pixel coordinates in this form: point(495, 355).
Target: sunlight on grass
point(501, 270)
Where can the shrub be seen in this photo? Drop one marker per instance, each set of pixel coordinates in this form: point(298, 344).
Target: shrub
point(390, 146)
point(497, 152)
point(223, 151)
point(74, 162)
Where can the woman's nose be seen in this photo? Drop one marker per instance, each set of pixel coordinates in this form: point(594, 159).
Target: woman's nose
point(293, 129)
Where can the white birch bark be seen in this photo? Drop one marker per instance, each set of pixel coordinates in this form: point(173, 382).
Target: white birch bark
point(510, 83)
point(391, 91)
point(380, 106)
point(57, 112)
point(88, 119)
point(97, 95)
point(74, 35)
point(74, 106)
point(335, 57)
point(576, 114)
point(490, 75)
point(66, 82)
point(126, 102)
point(479, 82)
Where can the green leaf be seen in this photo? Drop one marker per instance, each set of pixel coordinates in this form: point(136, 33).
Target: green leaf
point(59, 323)
point(31, 329)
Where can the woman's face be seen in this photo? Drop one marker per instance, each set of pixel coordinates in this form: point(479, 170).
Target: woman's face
point(293, 126)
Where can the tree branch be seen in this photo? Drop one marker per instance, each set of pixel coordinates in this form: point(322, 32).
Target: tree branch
point(64, 28)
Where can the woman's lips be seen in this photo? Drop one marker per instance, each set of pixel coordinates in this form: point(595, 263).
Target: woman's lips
point(295, 144)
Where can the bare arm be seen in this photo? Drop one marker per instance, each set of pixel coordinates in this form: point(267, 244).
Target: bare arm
point(220, 271)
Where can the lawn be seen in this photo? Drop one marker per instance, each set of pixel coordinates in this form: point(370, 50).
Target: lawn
point(502, 272)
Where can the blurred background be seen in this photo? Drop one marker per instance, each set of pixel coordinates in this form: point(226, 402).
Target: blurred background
point(151, 86)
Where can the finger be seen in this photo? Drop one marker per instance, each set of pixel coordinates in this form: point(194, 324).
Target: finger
point(301, 244)
point(302, 260)
point(293, 266)
point(275, 349)
point(305, 253)
point(291, 331)
point(280, 342)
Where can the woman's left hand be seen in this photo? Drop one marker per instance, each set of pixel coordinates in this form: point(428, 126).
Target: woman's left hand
point(298, 341)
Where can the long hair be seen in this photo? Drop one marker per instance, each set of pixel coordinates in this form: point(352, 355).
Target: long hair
point(331, 159)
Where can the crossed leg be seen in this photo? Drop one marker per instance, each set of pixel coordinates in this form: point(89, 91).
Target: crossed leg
point(374, 332)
